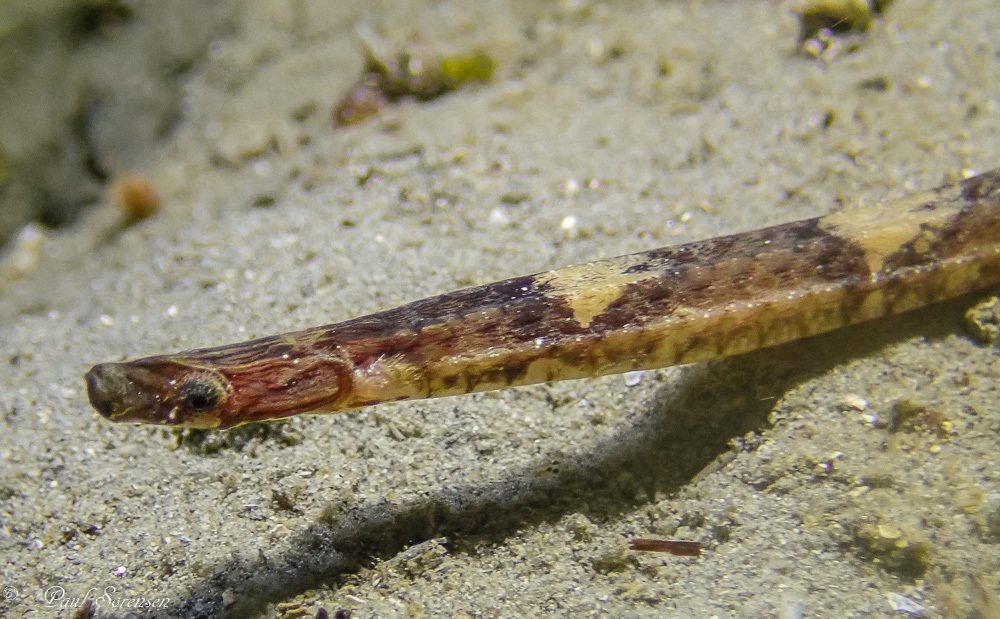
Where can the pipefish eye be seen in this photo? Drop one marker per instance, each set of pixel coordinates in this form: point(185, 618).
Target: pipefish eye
point(201, 393)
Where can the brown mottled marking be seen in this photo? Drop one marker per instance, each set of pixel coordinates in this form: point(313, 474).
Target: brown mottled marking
point(672, 305)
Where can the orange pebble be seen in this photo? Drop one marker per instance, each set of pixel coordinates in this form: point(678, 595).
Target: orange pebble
point(358, 106)
point(135, 195)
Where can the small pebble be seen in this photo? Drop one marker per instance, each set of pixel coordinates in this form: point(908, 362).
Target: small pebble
point(135, 196)
point(854, 402)
point(633, 378)
point(904, 605)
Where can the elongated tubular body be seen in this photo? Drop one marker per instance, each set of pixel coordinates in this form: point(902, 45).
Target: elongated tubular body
point(667, 306)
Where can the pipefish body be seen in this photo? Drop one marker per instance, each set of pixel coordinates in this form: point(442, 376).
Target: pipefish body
point(667, 306)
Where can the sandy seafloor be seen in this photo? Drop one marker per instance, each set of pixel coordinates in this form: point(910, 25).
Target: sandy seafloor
point(649, 124)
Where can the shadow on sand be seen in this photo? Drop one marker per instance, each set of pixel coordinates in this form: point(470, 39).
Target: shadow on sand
point(689, 424)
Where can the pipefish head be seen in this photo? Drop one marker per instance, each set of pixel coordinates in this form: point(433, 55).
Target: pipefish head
point(158, 390)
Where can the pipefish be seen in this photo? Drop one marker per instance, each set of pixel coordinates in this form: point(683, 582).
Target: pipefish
point(667, 306)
